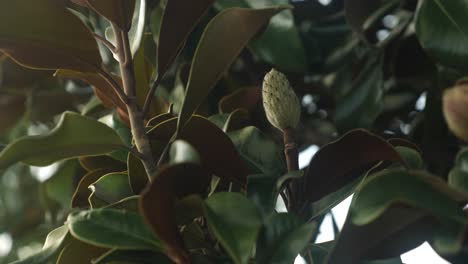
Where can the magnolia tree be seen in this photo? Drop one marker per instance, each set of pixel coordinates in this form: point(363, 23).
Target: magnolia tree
point(147, 131)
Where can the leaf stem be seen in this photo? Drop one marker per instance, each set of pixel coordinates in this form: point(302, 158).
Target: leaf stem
point(137, 124)
point(107, 43)
point(111, 81)
point(292, 160)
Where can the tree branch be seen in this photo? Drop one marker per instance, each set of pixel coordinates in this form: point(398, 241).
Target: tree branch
point(135, 115)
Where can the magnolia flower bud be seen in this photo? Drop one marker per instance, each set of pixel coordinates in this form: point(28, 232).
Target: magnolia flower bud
point(281, 105)
point(455, 106)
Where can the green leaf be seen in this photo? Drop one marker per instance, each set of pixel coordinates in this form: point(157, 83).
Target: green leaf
point(442, 30)
point(370, 202)
point(119, 12)
point(458, 176)
point(111, 188)
point(111, 228)
point(198, 129)
point(262, 191)
point(60, 186)
point(136, 174)
point(132, 256)
point(283, 237)
point(55, 241)
point(235, 222)
point(74, 136)
point(357, 151)
point(280, 35)
point(181, 151)
point(82, 192)
point(361, 103)
point(227, 34)
point(261, 153)
point(102, 88)
point(387, 224)
point(411, 157)
point(158, 203)
point(179, 19)
point(248, 98)
point(78, 252)
point(59, 41)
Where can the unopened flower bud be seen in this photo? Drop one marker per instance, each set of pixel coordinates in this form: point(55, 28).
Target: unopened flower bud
point(281, 104)
point(455, 106)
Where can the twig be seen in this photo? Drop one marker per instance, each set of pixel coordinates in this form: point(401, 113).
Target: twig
point(292, 160)
point(136, 117)
point(111, 81)
point(106, 43)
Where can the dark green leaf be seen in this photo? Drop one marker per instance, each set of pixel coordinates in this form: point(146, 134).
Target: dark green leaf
point(362, 102)
point(235, 222)
point(283, 237)
point(111, 188)
point(136, 174)
point(74, 135)
point(60, 186)
point(111, 228)
point(442, 29)
point(54, 243)
point(158, 203)
point(59, 41)
point(82, 192)
point(179, 19)
point(129, 256)
point(357, 151)
point(228, 166)
point(280, 35)
point(261, 153)
point(227, 34)
point(77, 252)
point(119, 12)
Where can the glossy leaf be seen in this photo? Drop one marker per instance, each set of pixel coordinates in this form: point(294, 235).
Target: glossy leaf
point(357, 152)
point(158, 203)
point(91, 163)
point(132, 256)
point(206, 70)
point(261, 153)
point(78, 252)
point(229, 165)
point(248, 98)
point(59, 41)
point(111, 228)
point(263, 192)
point(442, 30)
point(111, 188)
point(103, 89)
point(361, 104)
point(235, 222)
point(370, 202)
point(458, 176)
point(60, 186)
point(386, 224)
point(179, 19)
point(282, 238)
point(181, 151)
point(136, 174)
point(119, 12)
point(281, 34)
point(55, 241)
point(82, 192)
point(74, 135)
